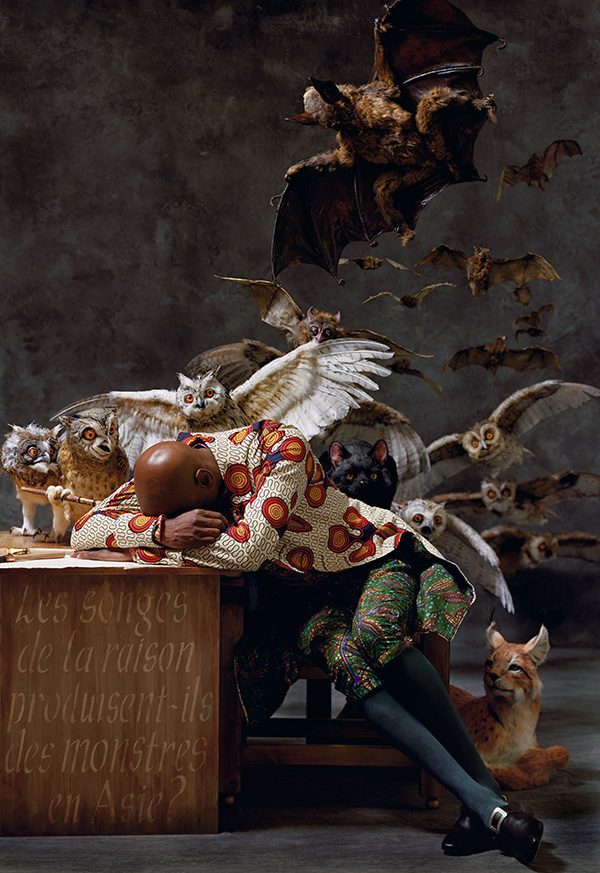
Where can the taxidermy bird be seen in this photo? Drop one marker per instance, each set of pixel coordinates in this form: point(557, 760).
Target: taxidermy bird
point(362, 471)
point(458, 541)
point(484, 271)
point(92, 463)
point(539, 168)
point(29, 456)
point(503, 722)
point(528, 550)
point(235, 362)
point(309, 387)
point(533, 321)
point(402, 137)
point(525, 502)
point(375, 421)
point(496, 354)
point(493, 442)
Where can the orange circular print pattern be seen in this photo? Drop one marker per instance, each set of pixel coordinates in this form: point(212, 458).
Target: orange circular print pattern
point(275, 511)
point(237, 479)
point(293, 449)
point(140, 523)
point(315, 495)
point(241, 532)
point(301, 559)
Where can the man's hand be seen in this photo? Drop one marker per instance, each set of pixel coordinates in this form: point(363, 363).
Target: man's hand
point(198, 527)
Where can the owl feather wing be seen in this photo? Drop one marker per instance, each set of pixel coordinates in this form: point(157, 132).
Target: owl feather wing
point(462, 502)
point(375, 421)
point(578, 544)
point(567, 485)
point(480, 562)
point(528, 406)
point(446, 457)
point(313, 385)
point(145, 417)
point(276, 306)
point(236, 362)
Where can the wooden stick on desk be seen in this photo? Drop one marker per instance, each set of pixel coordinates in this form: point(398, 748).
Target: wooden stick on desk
point(72, 498)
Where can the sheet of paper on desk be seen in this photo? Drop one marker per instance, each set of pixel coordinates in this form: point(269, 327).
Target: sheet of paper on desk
point(62, 559)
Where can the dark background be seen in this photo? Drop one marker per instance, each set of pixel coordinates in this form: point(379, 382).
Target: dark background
point(141, 143)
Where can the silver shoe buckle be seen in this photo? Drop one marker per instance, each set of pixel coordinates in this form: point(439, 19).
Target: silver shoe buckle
point(496, 818)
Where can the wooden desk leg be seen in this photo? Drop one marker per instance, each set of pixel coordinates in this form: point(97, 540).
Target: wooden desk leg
point(437, 650)
point(230, 711)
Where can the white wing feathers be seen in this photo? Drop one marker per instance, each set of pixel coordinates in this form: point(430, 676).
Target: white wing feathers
point(313, 385)
point(462, 544)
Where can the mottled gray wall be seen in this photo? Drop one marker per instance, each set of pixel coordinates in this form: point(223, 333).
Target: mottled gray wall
point(141, 143)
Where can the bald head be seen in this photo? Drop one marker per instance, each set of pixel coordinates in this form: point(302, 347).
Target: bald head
point(172, 477)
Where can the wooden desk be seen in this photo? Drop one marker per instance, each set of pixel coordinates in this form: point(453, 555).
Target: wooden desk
point(118, 710)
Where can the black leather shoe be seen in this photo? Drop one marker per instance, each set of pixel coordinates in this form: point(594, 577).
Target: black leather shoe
point(519, 833)
point(468, 836)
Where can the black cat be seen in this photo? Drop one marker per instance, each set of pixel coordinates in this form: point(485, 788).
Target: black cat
point(361, 470)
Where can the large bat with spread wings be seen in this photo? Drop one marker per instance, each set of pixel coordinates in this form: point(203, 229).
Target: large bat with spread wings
point(403, 137)
point(309, 387)
point(494, 442)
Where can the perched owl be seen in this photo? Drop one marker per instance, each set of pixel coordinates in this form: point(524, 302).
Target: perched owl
point(524, 503)
point(92, 463)
point(460, 542)
point(375, 421)
point(310, 387)
point(528, 550)
point(29, 457)
point(493, 443)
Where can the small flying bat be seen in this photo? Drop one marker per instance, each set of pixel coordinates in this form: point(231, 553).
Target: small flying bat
point(496, 354)
point(484, 271)
point(533, 320)
point(403, 137)
point(410, 300)
point(539, 168)
point(374, 264)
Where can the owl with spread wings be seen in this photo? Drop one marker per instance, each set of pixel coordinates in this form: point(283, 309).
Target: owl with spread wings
point(459, 542)
point(494, 442)
point(528, 550)
point(310, 387)
point(525, 502)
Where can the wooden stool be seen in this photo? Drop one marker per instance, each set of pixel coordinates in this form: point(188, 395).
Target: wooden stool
point(339, 741)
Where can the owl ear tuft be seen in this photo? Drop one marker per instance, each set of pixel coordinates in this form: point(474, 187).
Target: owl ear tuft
point(184, 380)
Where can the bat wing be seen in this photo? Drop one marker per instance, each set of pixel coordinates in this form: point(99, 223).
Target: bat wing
point(364, 333)
point(276, 306)
point(363, 263)
point(462, 502)
point(145, 417)
point(374, 421)
point(446, 457)
point(313, 385)
point(478, 559)
point(521, 270)
point(400, 365)
point(467, 357)
point(236, 362)
point(531, 358)
point(578, 544)
point(555, 151)
point(419, 44)
point(320, 213)
point(511, 175)
point(444, 256)
point(528, 406)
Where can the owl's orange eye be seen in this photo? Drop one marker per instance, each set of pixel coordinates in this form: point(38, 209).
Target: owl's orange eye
point(374, 475)
point(350, 476)
point(505, 492)
point(491, 493)
point(89, 434)
point(542, 547)
point(418, 518)
point(437, 519)
point(489, 435)
point(32, 452)
point(111, 429)
point(474, 443)
point(210, 392)
point(189, 398)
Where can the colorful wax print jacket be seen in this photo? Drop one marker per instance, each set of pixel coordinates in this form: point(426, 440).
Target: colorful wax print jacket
point(285, 511)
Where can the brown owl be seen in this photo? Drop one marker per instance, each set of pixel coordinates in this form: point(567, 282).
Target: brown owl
point(92, 463)
point(29, 457)
point(528, 550)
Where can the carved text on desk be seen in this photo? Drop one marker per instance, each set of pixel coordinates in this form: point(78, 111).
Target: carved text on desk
point(108, 717)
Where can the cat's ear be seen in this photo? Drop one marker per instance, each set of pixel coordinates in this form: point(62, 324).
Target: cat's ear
point(337, 453)
point(538, 647)
point(380, 451)
point(494, 637)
